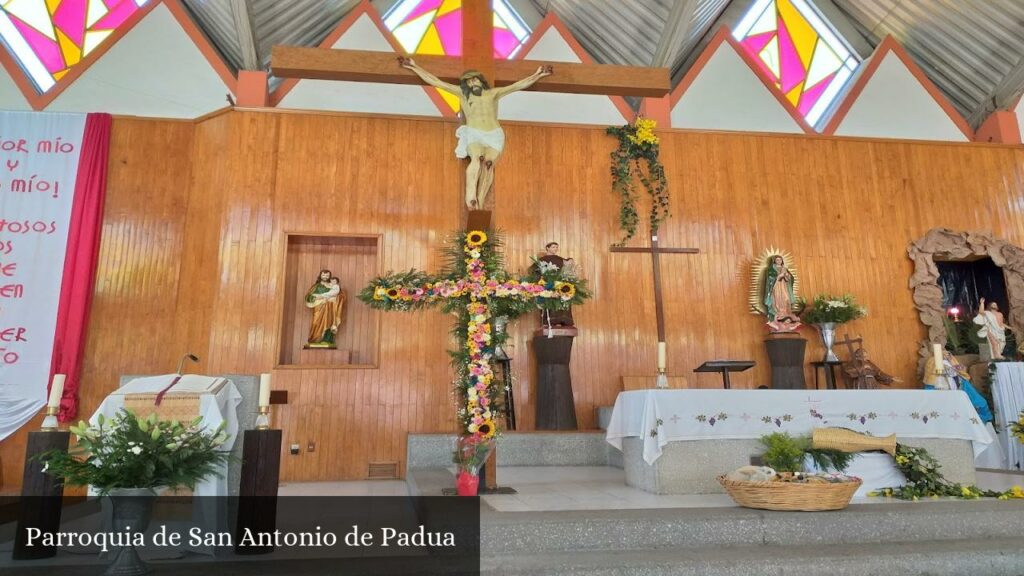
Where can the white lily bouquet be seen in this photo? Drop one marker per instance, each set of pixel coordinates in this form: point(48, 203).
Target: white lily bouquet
point(128, 452)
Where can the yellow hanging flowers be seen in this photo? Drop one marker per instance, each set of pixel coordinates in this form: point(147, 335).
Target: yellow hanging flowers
point(644, 132)
point(476, 238)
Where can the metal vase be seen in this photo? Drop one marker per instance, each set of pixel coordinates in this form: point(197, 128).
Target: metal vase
point(828, 338)
point(132, 510)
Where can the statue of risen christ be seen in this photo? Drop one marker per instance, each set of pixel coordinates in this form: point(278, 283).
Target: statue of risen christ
point(481, 138)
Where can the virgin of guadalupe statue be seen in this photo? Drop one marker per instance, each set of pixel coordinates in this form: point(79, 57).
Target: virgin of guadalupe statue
point(773, 290)
point(326, 300)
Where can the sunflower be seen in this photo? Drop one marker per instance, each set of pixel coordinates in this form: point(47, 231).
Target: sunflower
point(392, 293)
point(476, 238)
point(565, 290)
point(486, 428)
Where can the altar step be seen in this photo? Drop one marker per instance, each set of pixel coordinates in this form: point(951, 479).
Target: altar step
point(541, 448)
point(1002, 557)
point(933, 538)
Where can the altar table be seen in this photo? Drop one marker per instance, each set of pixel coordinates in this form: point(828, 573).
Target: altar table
point(710, 432)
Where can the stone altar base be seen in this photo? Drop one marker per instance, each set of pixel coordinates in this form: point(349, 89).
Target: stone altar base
point(691, 467)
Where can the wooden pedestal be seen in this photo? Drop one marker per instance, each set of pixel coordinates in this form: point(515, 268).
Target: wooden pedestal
point(257, 494)
point(41, 495)
point(555, 407)
point(786, 354)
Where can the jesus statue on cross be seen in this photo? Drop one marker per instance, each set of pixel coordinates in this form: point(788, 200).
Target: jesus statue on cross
point(481, 137)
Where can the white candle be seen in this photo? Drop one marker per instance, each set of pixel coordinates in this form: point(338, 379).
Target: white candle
point(264, 390)
point(661, 356)
point(937, 350)
point(56, 390)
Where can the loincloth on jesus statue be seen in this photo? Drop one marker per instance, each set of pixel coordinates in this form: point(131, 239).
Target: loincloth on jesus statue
point(494, 139)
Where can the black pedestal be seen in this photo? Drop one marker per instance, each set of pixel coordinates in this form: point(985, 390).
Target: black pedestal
point(786, 355)
point(41, 497)
point(555, 407)
point(257, 493)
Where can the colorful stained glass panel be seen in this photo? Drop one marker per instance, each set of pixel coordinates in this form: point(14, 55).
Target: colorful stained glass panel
point(48, 37)
point(799, 52)
point(435, 27)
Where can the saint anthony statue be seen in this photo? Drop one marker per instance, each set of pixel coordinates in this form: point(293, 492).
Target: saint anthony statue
point(327, 301)
point(992, 327)
point(779, 298)
point(481, 138)
point(557, 318)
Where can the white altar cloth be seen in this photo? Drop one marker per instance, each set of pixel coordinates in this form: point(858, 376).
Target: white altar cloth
point(663, 416)
point(1008, 397)
point(214, 408)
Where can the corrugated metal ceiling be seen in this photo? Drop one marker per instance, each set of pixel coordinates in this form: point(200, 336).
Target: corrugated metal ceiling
point(972, 49)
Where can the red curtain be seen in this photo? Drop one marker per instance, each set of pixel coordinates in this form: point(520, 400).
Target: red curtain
point(80, 260)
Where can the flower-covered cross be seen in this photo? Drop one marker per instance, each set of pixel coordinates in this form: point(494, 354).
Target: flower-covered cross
point(475, 286)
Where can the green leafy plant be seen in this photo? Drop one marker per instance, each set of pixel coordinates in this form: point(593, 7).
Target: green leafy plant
point(785, 453)
point(637, 158)
point(924, 480)
point(129, 452)
point(826, 308)
point(1017, 428)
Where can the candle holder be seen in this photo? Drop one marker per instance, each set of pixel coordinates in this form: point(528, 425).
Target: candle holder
point(263, 420)
point(50, 421)
point(662, 380)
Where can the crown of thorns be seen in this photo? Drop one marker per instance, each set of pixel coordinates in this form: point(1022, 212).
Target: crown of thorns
point(470, 74)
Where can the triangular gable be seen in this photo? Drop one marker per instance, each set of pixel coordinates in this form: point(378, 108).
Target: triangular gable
point(361, 29)
point(725, 90)
point(553, 42)
point(893, 98)
point(161, 67)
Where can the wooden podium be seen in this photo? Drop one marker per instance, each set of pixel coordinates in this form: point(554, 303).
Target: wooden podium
point(257, 494)
point(41, 496)
point(556, 410)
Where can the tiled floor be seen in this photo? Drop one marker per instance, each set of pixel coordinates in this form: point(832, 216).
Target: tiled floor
point(579, 488)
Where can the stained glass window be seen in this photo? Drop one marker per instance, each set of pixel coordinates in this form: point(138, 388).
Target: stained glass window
point(799, 51)
point(435, 27)
point(48, 37)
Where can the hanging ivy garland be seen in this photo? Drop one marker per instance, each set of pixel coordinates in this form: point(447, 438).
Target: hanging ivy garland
point(636, 158)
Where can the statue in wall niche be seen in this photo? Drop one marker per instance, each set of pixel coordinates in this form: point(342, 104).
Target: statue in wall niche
point(326, 301)
point(481, 138)
point(773, 291)
point(992, 327)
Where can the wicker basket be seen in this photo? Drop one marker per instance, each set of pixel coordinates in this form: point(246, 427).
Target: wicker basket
point(791, 495)
point(850, 441)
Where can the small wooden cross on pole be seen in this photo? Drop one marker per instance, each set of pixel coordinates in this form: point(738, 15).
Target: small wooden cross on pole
point(849, 342)
point(659, 307)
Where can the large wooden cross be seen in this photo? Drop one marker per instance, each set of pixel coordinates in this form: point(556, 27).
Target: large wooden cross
point(659, 307)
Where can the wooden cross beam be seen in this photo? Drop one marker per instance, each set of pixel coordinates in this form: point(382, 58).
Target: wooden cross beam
point(367, 66)
point(849, 342)
point(655, 251)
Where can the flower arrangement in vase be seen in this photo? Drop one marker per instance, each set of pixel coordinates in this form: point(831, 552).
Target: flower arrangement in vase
point(826, 312)
point(471, 452)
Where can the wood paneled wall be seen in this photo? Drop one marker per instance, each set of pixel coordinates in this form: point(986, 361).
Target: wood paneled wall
point(194, 252)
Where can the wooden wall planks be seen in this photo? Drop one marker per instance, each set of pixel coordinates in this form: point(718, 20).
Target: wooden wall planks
point(194, 252)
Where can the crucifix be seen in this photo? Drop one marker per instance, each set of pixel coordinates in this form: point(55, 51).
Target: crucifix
point(481, 139)
point(659, 307)
point(451, 74)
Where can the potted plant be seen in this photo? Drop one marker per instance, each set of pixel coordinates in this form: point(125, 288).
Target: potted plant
point(825, 312)
point(129, 459)
point(471, 453)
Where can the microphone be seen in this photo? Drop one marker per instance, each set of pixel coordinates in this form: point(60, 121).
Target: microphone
point(181, 363)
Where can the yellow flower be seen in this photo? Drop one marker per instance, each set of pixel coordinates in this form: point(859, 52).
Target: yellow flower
point(565, 289)
point(485, 429)
point(379, 293)
point(475, 238)
point(392, 293)
point(644, 132)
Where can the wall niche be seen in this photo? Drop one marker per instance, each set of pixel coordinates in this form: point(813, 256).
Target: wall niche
point(354, 259)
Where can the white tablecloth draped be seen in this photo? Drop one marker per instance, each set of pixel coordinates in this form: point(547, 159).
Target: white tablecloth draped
point(214, 408)
point(1008, 397)
point(663, 416)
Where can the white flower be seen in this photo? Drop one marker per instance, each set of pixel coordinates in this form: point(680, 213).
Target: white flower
point(546, 267)
point(136, 450)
